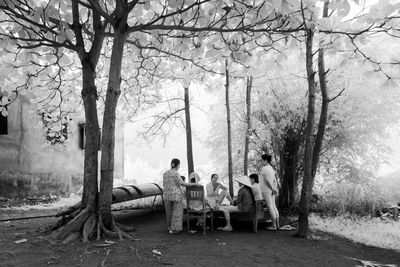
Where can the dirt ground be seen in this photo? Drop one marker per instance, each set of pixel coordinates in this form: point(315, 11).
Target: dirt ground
point(239, 248)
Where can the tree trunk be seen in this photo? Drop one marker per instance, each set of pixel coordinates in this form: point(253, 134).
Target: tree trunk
point(189, 145)
point(289, 166)
point(89, 96)
point(108, 132)
point(95, 208)
point(325, 102)
point(228, 120)
point(306, 189)
point(248, 122)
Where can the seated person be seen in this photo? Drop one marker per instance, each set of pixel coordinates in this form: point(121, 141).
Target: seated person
point(244, 202)
point(216, 192)
point(196, 204)
point(255, 187)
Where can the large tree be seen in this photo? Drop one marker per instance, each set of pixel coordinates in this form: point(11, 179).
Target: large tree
point(166, 27)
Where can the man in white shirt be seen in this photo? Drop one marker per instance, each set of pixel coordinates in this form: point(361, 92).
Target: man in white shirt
point(216, 192)
point(269, 190)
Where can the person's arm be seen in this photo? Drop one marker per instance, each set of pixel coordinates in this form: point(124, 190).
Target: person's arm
point(267, 182)
point(190, 184)
point(209, 190)
point(223, 187)
point(182, 183)
point(239, 198)
point(256, 190)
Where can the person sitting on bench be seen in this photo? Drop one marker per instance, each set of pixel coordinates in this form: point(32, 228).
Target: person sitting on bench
point(244, 202)
point(216, 192)
point(256, 187)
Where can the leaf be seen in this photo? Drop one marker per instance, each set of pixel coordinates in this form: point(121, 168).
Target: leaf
point(281, 57)
point(4, 112)
point(325, 23)
point(292, 43)
point(21, 241)
point(174, 4)
point(344, 9)
point(156, 7)
point(275, 3)
point(157, 252)
point(309, 3)
point(390, 84)
point(4, 101)
point(33, 101)
point(185, 83)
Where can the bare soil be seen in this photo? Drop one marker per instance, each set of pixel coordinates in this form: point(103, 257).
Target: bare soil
point(241, 247)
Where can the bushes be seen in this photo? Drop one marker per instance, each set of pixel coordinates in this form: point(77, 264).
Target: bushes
point(349, 199)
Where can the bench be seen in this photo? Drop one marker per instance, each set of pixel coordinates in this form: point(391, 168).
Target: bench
point(258, 213)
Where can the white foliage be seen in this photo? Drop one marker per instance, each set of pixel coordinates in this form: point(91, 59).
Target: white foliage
point(368, 231)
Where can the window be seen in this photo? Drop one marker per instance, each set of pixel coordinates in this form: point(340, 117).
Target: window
point(82, 136)
point(58, 137)
point(4, 101)
point(3, 125)
point(54, 134)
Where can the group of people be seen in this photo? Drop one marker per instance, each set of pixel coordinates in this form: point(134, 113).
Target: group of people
point(251, 188)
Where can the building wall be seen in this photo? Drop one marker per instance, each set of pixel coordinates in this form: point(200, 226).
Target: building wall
point(27, 167)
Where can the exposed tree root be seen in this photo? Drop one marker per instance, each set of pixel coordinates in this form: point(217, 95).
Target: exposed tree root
point(73, 226)
point(69, 210)
point(71, 237)
point(88, 228)
point(125, 228)
point(115, 231)
point(88, 225)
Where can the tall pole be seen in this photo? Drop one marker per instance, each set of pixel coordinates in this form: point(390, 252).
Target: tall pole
point(248, 126)
point(189, 145)
point(228, 120)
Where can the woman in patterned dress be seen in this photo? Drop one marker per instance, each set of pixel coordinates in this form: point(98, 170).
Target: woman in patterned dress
point(173, 197)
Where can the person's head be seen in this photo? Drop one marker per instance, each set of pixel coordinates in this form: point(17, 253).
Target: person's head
point(194, 177)
point(214, 178)
point(266, 158)
point(253, 178)
point(175, 164)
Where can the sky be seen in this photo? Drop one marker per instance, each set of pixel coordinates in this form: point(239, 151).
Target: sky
point(146, 162)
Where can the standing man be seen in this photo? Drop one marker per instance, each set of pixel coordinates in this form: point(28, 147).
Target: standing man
point(269, 190)
point(216, 192)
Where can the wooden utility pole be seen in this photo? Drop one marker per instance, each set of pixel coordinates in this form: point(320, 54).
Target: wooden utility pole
point(249, 84)
point(228, 120)
point(189, 145)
